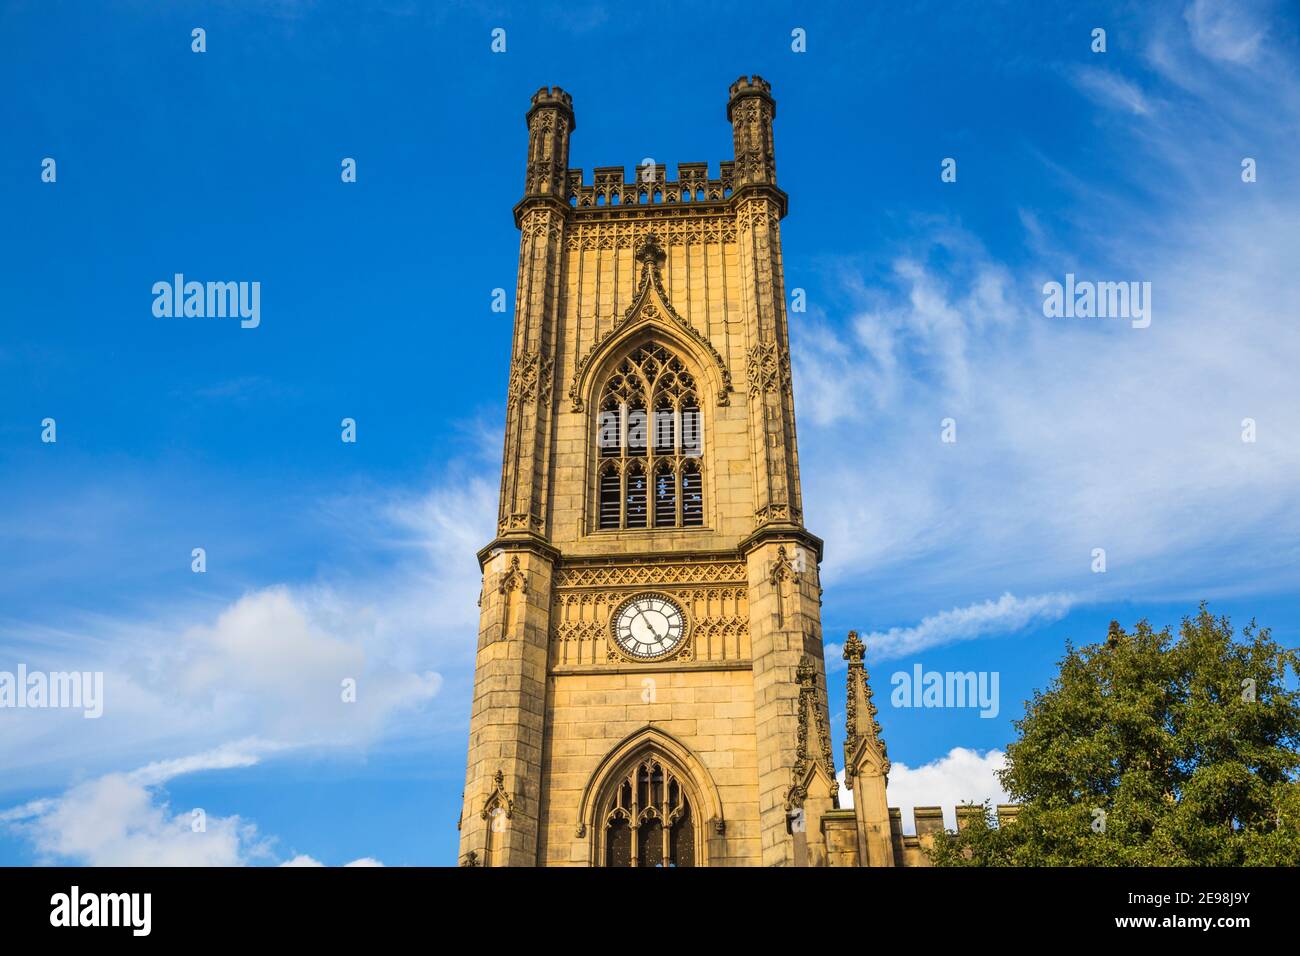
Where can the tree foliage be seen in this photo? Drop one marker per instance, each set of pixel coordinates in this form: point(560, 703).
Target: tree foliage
point(1151, 750)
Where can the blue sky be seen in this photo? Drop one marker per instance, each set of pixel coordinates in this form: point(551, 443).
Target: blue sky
point(924, 303)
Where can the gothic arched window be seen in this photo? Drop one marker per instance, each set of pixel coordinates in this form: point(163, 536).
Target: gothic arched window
point(649, 441)
point(647, 818)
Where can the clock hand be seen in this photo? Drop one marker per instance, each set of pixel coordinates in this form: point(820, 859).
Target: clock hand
point(654, 630)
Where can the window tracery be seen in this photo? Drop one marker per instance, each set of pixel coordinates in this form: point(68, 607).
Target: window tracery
point(649, 443)
point(647, 818)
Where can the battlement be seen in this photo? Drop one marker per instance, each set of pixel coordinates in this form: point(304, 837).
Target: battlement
point(928, 821)
point(910, 849)
point(648, 184)
point(748, 86)
point(553, 96)
point(753, 164)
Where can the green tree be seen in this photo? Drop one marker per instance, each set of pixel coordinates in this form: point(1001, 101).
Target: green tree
point(1148, 750)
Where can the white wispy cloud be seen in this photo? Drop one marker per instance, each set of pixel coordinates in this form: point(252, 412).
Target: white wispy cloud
point(1232, 32)
point(1074, 435)
point(243, 753)
point(1110, 89)
point(1006, 615)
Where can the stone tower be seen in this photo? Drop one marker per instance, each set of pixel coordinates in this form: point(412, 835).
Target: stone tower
point(650, 687)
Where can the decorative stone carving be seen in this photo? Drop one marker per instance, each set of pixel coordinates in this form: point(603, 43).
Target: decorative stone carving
point(498, 798)
point(630, 575)
point(811, 708)
point(718, 619)
point(782, 568)
point(650, 254)
point(859, 692)
point(520, 521)
point(530, 378)
point(768, 369)
point(777, 512)
point(513, 579)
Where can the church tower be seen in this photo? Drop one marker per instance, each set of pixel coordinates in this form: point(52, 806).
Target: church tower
point(650, 687)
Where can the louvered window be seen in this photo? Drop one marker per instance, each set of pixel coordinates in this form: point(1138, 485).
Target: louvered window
point(649, 441)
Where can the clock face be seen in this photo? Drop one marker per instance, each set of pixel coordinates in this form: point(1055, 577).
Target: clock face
point(649, 626)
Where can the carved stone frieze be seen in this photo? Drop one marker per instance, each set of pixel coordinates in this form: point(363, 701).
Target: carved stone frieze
point(689, 229)
point(585, 599)
point(730, 572)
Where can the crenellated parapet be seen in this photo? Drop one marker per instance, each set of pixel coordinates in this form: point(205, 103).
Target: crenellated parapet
point(649, 185)
point(841, 834)
point(645, 188)
point(913, 849)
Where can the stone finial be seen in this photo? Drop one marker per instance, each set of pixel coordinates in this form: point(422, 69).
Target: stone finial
point(854, 648)
point(499, 798)
point(860, 722)
point(651, 251)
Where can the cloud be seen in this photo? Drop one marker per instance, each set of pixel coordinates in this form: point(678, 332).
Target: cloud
point(114, 821)
point(1007, 614)
point(122, 819)
point(1110, 89)
point(266, 660)
point(271, 663)
point(1071, 434)
point(244, 753)
point(304, 860)
point(1229, 32)
point(201, 685)
point(125, 819)
point(962, 776)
